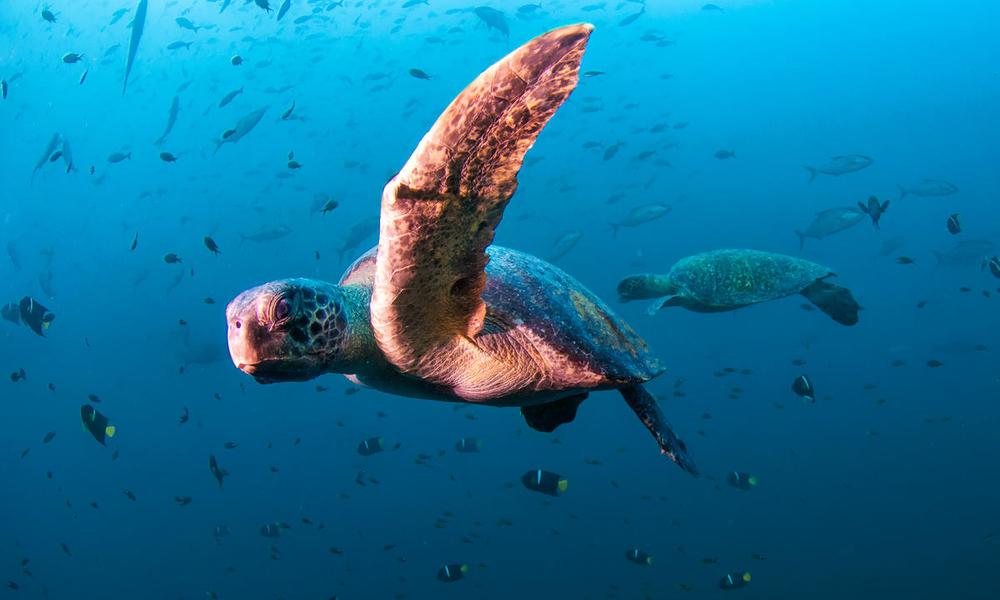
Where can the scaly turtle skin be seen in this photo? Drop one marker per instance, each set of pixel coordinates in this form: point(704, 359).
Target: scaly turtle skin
point(435, 311)
point(723, 280)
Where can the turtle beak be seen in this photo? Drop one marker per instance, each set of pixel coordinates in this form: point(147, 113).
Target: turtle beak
point(260, 349)
point(245, 331)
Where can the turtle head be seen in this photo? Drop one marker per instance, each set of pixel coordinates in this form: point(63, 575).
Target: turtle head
point(289, 330)
point(645, 286)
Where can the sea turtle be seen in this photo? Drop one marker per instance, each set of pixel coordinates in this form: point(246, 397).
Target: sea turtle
point(723, 280)
point(434, 311)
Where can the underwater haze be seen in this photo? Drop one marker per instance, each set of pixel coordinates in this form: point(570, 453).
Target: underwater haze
point(160, 157)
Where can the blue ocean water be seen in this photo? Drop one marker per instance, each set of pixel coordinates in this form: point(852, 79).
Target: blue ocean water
point(885, 487)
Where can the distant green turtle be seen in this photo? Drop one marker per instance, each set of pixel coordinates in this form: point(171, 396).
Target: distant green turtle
point(723, 280)
point(435, 311)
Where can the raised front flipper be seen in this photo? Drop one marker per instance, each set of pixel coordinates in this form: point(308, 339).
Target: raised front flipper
point(648, 411)
point(836, 301)
point(440, 212)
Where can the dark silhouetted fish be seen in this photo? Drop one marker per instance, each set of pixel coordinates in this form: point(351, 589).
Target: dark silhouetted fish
point(640, 215)
point(840, 165)
point(494, 19)
point(50, 148)
point(358, 233)
point(175, 107)
point(874, 209)
point(229, 97)
point(564, 244)
point(34, 315)
point(965, 253)
point(242, 127)
point(96, 423)
point(954, 224)
point(284, 8)
point(138, 23)
point(829, 222)
point(928, 188)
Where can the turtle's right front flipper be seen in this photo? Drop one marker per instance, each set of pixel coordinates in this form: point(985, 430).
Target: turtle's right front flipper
point(648, 411)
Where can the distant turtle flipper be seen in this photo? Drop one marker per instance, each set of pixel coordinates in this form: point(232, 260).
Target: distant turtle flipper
point(834, 300)
point(648, 411)
point(658, 305)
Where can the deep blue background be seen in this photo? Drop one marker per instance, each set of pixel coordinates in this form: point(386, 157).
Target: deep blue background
point(858, 498)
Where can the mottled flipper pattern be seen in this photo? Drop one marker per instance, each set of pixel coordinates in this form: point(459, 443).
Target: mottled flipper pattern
point(440, 212)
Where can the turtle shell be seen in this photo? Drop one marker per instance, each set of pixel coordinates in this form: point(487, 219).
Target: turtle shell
point(534, 296)
point(724, 279)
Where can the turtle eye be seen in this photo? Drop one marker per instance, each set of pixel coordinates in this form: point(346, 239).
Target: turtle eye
point(281, 310)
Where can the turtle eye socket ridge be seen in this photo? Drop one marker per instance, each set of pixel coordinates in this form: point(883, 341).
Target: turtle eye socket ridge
point(280, 310)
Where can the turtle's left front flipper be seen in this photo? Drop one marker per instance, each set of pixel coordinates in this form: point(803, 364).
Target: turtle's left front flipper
point(648, 411)
point(836, 301)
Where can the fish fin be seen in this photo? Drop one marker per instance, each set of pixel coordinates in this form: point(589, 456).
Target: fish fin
point(902, 191)
point(863, 208)
point(802, 239)
point(812, 172)
point(646, 408)
point(836, 301)
point(110, 431)
point(885, 206)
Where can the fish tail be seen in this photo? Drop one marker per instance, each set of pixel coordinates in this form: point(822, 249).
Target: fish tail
point(802, 239)
point(902, 192)
point(812, 172)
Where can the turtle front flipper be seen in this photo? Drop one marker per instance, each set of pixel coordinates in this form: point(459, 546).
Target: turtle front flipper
point(648, 411)
point(546, 417)
point(836, 301)
point(440, 212)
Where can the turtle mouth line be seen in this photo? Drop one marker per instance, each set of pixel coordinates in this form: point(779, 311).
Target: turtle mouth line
point(275, 371)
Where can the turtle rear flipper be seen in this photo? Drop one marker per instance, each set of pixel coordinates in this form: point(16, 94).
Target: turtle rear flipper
point(546, 417)
point(648, 411)
point(834, 300)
